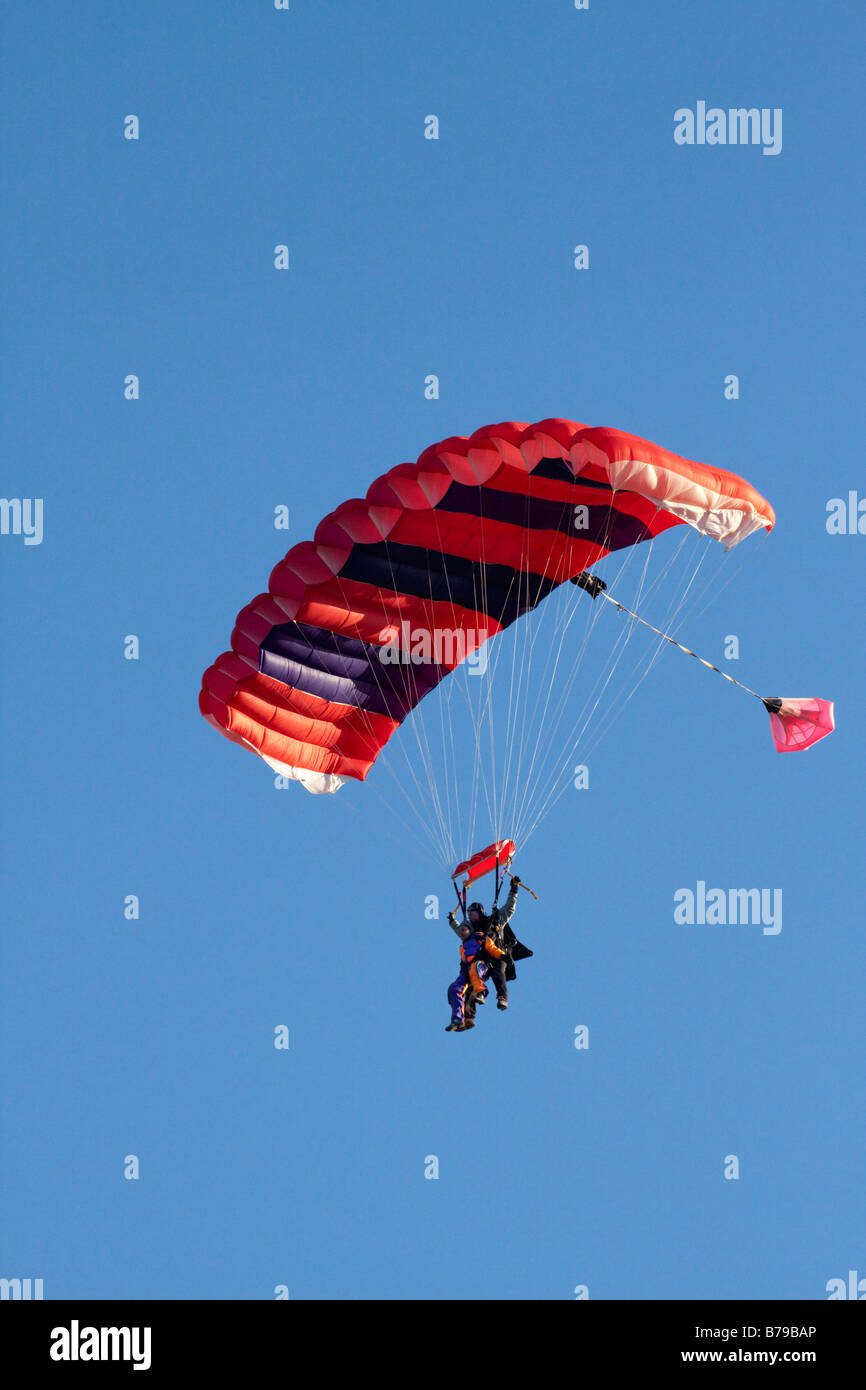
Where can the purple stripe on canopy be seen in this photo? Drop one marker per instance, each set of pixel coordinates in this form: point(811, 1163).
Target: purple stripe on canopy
point(605, 524)
point(345, 670)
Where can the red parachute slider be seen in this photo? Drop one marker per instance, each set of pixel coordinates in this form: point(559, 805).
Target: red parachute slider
point(485, 861)
point(798, 723)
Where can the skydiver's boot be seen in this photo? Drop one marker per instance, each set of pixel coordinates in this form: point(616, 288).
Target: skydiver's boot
point(470, 1023)
point(455, 1026)
point(502, 1002)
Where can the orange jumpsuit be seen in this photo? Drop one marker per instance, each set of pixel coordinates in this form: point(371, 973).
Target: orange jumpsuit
point(472, 953)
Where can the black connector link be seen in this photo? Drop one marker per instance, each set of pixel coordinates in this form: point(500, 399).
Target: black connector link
point(590, 582)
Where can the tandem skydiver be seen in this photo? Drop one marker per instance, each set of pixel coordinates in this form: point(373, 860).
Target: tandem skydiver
point(498, 963)
point(477, 950)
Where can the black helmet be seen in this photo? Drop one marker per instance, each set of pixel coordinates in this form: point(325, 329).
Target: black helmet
point(476, 907)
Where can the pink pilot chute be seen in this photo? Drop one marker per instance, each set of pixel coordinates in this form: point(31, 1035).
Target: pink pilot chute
point(797, 724)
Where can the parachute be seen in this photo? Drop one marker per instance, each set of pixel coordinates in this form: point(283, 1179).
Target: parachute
point(797, 724)
point(403, 587)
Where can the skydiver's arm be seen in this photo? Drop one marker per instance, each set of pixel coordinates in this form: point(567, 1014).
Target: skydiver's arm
point(506, 912)
point(492, 950)
point(455, 925)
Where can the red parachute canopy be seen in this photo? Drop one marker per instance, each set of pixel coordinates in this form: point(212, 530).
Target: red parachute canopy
point(498, 854)
point(399, 587)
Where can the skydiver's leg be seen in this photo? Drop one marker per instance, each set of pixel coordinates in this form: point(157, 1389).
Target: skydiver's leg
point(497, 975)
point(477, 976)
point(456, 998)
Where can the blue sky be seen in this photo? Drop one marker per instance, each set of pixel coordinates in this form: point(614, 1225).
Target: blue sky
point(261, 907)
